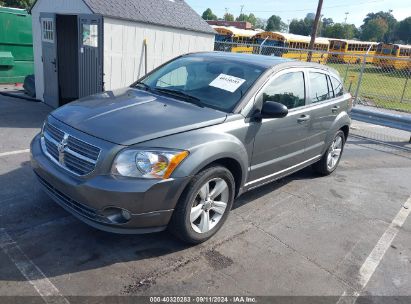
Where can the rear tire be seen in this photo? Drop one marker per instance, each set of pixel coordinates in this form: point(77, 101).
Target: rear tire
point(204, 205)
point(331, 158)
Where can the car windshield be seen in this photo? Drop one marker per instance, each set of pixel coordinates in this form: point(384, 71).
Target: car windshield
point(218, 83)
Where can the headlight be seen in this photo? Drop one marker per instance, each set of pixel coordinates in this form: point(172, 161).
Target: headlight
point(147, 163)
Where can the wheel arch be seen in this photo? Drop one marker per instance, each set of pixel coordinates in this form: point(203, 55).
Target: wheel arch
point(346, 130)
point(342, 122)
point(233, 166)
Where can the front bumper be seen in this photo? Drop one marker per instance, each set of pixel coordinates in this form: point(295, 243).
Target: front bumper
point(92, 199)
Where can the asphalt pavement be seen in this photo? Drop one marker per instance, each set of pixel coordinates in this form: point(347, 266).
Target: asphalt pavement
point(304, 235)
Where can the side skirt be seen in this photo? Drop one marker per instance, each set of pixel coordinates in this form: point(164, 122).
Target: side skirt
point(280, 174)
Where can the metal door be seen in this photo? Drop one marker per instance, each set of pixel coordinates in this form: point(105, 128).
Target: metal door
point(90, 54)
point(279, 143)
point(49, 57)
point(279, 146)
point(323, 114)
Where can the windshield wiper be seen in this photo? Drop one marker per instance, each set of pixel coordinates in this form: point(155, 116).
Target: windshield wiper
point(185, 96)
point(142, 84)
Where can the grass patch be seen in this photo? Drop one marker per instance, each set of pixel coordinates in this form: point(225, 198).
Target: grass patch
point(379, 87)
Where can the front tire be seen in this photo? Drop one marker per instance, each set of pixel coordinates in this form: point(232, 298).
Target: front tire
point(330, 160)
point(204, 205)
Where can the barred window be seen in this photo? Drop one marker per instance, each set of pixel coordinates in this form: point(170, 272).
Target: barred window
point(47, 26)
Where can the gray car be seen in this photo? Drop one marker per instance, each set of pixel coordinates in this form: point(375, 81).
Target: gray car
point(178, 146)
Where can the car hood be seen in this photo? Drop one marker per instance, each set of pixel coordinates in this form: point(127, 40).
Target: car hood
point(130, 116)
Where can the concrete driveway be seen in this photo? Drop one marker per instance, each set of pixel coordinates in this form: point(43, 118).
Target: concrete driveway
point(346, 234)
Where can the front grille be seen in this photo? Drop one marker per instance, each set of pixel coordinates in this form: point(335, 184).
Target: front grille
point(55, 133)
point(72, 204)
point(69, 152)
point(83, 148)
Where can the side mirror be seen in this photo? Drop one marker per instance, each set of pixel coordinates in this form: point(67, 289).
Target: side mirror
point(272, 109)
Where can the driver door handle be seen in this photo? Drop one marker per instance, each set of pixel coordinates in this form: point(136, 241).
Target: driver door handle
point(303, 118)
point(335, 109)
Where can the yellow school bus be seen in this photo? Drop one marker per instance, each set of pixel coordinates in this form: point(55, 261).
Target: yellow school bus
point(352, 50)
point(234, 35)
point(292, 46)
point(392, 51)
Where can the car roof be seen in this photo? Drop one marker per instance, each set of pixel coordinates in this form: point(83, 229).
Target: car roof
point(258, 60)
point(263, 61)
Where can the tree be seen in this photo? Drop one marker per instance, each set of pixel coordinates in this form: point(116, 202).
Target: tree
point(374, 30)
point(249, 18)
point(260, 23)
point(275, 24)
point(26, 4)
point(242, 17)
point(327, 22)
point(228, 17)
point(310, 16)
point(340, 31)
point(388, 19)
point(403, 30)
point(208, 15)
point(301, 26)
point(252, 19)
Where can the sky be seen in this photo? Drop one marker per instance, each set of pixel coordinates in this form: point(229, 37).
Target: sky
point(290, 9)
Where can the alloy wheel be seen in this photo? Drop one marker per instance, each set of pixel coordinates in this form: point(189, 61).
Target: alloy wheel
point(209, 205)
point(334, 152)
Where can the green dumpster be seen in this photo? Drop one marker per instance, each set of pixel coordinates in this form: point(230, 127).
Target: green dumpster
point(16, 45)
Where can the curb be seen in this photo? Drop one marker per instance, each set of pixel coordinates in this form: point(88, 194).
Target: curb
point(20, 96)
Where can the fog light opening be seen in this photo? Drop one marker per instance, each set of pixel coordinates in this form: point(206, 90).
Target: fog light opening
point(117, 215)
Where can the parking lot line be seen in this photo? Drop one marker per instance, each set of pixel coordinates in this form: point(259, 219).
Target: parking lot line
point(30, 271)
point(14, 152)
point(374, 259)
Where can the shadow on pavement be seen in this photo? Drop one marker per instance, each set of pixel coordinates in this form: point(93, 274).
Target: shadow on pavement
point(60, 244)
point(20, 113)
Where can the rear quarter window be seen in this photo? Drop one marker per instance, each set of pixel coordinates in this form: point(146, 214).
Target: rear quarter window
point(337, 86)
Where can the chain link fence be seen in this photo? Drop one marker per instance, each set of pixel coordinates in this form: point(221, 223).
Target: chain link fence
point(377, 81)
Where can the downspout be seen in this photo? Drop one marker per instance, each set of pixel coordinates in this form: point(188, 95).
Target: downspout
point(145, 56)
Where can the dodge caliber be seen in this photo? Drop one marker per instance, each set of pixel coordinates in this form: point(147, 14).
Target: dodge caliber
point(176, 148)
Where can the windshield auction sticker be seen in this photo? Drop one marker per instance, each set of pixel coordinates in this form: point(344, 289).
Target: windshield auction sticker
point(227, 82)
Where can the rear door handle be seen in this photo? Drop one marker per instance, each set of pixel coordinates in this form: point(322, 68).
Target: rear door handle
point(303, 118)
point(335, 109)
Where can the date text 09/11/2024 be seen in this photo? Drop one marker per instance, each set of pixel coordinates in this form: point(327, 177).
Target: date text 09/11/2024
point(203, 299)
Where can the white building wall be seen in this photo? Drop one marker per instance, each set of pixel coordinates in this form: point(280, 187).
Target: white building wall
point(49, 6)
point(124, 48)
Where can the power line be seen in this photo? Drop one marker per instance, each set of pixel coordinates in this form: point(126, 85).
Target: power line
point(311, 9)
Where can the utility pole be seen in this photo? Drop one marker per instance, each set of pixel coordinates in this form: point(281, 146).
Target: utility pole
point(315, 28)
point(242, 6)
point(346, 16)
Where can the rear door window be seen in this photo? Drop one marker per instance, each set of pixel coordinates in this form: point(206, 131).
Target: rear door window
point(319, 89)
